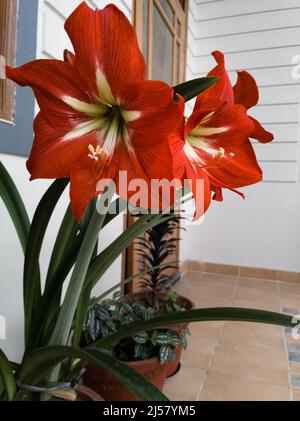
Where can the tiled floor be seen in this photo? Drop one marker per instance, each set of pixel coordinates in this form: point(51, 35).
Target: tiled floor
point(235, 360)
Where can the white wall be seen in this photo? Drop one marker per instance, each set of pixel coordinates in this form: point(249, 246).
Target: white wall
point(51, 43)
point(261, 36)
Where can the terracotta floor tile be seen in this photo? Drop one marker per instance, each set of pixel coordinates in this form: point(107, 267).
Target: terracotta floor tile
point(254, 333)
point(211, 278)
point(294, 368)
point(263, 364)
point(250, 272)
point(258, 306)
point(185, 385)
point(205, 302)
point(263, 284)
point(293, 301)
point(289, 288)
point(289, 291)
point(296, 395)
point(209, 328)
point(200, 350)
point(207, 290)
point(245, 361)
point(217, 268)
point(256, 295)
point(227, 387)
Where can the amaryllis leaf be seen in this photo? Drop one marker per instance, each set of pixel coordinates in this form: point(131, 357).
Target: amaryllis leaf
point(198, 315)
point(70, 303)
point(47, 311)
point(15, 206)
point(31, 279)
point(104, 260)
point(66, 234)
point(37, 364)
point(192, 88)
point(7, 377)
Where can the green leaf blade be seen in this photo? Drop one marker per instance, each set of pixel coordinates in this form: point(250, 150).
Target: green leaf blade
point(192, 88)
point(31, 279)
point(66, 235)
point(198, 315)
point(37, 364)
point(7, 377)
point(15, 205)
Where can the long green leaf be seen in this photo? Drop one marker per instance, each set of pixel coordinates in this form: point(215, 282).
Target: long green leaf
point(194, 87)
point(31, 281)
point(104, 260)
point(70, 303)
point(7, 376)
point(66, 235)
point(47, 311)
point(198, 315)
point(37, 364)
point(15, 205)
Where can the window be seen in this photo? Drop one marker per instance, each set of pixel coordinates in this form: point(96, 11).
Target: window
point(161, 28)
point(8, 14)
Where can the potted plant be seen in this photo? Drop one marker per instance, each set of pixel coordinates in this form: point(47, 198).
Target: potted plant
point(79, 101)
point(147, 352)
point(156, 247)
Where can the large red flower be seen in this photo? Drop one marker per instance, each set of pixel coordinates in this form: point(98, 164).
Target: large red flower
point(245, 93)
point(214, 144)
point(98, 115)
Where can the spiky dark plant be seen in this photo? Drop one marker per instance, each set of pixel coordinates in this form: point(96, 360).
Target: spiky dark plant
point(158, 244)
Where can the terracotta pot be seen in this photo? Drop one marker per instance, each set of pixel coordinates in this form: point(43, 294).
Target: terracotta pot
point(111, 389)
point(86, 394)
point(172, 366)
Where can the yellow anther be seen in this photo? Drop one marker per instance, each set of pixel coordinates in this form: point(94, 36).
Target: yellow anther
point(92, 149)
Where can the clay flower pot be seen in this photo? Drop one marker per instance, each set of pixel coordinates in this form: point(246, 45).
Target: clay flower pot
point(111, 389)
point(172, 366)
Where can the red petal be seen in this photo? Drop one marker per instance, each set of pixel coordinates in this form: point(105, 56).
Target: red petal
point(245, 90)
point(202, 194)
point(69, 57)
point(51, 157)
point(239, 171)
point(160, 115)
point(260, 134)
point(105, 39)
point(237, 125)
point(177, 142)
point(82, 189)
point(222, 89)
point(218, 195)
point(51, 80)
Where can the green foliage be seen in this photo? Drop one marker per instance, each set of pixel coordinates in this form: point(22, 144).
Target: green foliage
point(129, 330)
point(190, 89)
point(154, 248)
point(110, 316)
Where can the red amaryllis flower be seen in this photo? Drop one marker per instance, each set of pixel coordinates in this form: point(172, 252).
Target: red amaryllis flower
point(98, 115)
point(245, 93)
point(214, 145)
